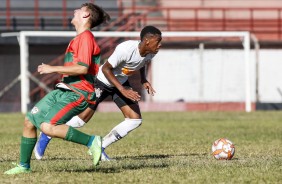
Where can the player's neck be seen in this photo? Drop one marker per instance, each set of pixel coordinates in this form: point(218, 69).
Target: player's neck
point(81, 28)
point(142, 50)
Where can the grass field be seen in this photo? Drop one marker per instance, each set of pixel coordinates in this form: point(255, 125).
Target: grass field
point(172, 147)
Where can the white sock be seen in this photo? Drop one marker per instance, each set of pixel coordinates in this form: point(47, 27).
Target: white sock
point(120, 131)
point(75, 122)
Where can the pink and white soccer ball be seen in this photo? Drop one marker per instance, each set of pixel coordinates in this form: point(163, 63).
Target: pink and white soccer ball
point(223, 149)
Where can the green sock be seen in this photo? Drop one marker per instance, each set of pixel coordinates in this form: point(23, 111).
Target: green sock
point(76, 136)
point(27, 145)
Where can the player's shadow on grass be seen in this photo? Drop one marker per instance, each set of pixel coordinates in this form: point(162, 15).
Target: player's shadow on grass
point(142, 157)
point(122, 163)
point(158, 156)
point(119, 168)
point(139, 157)
point(46, 159)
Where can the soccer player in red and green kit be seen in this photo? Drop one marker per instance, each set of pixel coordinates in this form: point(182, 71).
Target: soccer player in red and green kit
point(72, 95)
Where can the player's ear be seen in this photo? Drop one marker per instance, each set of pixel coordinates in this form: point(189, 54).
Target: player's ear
point(86, 15)
point(147, 41)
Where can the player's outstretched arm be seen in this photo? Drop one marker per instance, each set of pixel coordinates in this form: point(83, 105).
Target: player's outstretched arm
point(65, 70)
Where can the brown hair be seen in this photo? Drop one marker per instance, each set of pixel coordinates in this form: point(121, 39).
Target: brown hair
point(97, 14)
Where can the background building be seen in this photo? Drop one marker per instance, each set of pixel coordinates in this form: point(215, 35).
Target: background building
point(189, 73)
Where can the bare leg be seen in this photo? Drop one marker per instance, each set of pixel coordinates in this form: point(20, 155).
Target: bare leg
point(68, 133)
point(59, 131)
point(132, 111)
point(29, 129)
point(28, 141)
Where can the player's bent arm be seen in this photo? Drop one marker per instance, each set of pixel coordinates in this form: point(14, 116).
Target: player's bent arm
point(107, 70)
point(65, 70)
point(128, 93)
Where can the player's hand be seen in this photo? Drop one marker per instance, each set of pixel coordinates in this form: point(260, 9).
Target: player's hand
point(44, 69)
point(149, 88)
point(130, 94)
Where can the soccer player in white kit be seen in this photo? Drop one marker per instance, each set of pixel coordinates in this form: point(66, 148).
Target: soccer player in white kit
point(112, 80)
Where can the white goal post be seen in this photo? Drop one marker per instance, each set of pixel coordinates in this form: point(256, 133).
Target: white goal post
point(24, 53)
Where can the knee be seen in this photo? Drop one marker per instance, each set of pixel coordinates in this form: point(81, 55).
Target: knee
point(28, 124)
point(47, 129)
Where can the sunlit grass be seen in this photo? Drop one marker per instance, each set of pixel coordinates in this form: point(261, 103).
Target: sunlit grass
point(172, 147)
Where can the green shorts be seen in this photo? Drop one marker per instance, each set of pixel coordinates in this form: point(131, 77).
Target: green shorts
point(57, 107)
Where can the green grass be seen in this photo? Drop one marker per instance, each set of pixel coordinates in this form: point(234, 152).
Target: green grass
point(172, 147)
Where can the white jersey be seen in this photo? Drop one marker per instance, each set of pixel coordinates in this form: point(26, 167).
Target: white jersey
point(125, 61)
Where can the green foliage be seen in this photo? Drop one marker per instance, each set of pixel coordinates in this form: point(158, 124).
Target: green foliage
point(169, 147)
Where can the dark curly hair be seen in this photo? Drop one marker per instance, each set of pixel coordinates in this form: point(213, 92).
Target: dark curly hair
point(149, 30)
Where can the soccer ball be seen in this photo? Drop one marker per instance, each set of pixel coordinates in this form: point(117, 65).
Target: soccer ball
point(223, 149)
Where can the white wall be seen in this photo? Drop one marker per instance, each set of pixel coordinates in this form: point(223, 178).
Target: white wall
point(218, 77)
point(270, 75)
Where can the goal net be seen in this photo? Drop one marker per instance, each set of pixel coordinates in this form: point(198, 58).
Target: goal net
point(190, 68)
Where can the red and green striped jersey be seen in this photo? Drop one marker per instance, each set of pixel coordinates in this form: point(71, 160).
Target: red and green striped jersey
point(83, 50)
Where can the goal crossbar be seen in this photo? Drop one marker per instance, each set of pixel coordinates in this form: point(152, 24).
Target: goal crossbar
point(24, 53)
